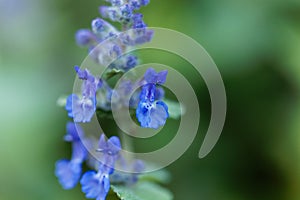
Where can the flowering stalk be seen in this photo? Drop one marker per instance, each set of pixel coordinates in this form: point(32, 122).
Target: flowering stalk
point(96, 94)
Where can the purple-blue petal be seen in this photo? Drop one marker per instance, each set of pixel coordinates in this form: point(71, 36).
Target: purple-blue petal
point(79, 152)
point(102, 143)
point(84, 37)
point(126, 11)
point(82, 110)
point(144, 2)
point(135, 4)
point(90, 184)
point(82, 74)
point(156, 78)
point(150, 75)
point(114, 145)
point(68, 173)
point(152, 115)
point(161, 77)
point(74, 132)
point(95, 185)
point(142, 114)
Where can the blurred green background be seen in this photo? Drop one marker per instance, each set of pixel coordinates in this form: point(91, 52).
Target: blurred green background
point(255, 44)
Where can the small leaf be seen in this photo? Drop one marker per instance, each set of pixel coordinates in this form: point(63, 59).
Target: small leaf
point(143, 190)
point(112, 73)
point(160, 176)
point(175, 109)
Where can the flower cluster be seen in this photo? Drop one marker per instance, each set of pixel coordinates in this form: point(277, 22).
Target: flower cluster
point(96, 94)
point(122, 11)
point(94, 184)
point(151, 112)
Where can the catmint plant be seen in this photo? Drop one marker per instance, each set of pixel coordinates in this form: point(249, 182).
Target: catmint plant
point(103, 181)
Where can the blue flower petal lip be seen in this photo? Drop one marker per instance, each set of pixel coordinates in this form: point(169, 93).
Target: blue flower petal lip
point(114, 144)
point(151, 76)
point(152, 115)
point(159, 115)
point(90, 184)
point(68, 173)
point(84, 37)
point(95, 185)
point(161, 77)
point(110, 152)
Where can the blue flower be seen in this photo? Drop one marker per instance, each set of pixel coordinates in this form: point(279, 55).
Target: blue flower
point(152, 114)
point(138, 21)
point(144, 2)
point(109, 151)
point(126, 12)
point(68, 172)
point(80, 109)
point(110, 147)
point(135, 4)
point(74, 132)
point(95, 185)
point(102, 29)
point(85, 37)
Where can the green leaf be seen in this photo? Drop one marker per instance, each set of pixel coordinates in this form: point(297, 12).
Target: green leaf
point(112, 195)
point(113, 72)
point(175, 109)
point(160, 176)
point(142, 191)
